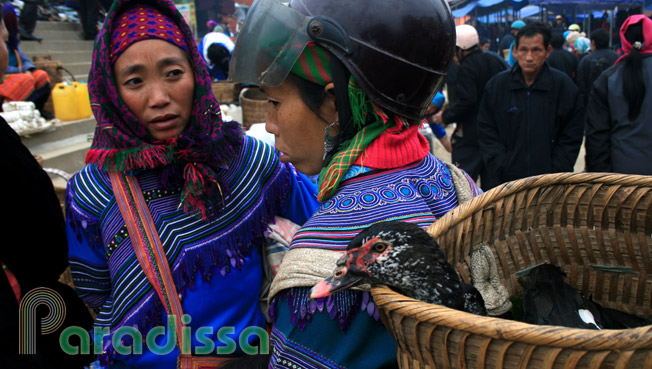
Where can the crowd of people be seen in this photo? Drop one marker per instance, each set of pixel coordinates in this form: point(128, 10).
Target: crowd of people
point(23, 81)
point(531, 118)
point(180, 217)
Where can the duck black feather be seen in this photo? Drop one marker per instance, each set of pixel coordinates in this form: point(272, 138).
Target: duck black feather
point(407, 259)
point(548, 300)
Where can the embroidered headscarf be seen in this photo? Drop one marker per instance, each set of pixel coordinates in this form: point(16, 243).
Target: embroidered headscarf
point(211, 24)
point(143, 22)
point(369, 119)
point(195, 159)
point(646, 46)
point(582, 45)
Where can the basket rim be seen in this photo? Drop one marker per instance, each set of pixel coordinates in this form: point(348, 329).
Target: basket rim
point(460, 213)
point(503, 329)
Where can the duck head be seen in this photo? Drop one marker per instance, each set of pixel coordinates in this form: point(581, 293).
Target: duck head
point(392, 253)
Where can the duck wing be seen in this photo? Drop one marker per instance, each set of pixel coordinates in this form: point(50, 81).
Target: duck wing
point(548, 300)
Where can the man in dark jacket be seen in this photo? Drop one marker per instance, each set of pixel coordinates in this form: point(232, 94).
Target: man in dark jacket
point(531, 117)
point(561, 59)
point(476, 68)
point(595, 63)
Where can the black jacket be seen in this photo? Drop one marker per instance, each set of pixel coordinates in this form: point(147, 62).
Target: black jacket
point(525, 131)
point(35, 250)
point(475, 70)
point(565, 61)
point(591, 67)
point(613, 142)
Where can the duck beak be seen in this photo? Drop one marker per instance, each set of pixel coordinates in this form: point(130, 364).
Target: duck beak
point(340, 280)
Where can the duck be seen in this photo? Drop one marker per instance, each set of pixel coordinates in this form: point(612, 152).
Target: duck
point(548, 300)
point(407, 259)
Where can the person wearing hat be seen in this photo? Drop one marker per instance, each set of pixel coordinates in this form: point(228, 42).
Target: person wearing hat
point(582, 46)
point(216, 48)
point(574, 27)
point(346, 97)
point(507, 40)
point(169, 217)
point(476, 68)
point(531, 117)
point(559, 26)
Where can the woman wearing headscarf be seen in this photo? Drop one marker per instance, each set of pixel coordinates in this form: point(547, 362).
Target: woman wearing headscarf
point(582, 47)
point(619, 112)
point(23, 82)
point(347, 94)
point(216, 48)
point(168, 218)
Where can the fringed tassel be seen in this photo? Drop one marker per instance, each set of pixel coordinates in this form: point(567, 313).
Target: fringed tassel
point(131, 159)
point(193, 190)
point(228, 252)
point(203, 191)
point(341, 307)
point(358, 101)
point(380, 112)
point(148, 316)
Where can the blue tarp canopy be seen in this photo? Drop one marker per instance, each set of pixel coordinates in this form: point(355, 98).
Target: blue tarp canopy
point(589, 4)
point(482, 5)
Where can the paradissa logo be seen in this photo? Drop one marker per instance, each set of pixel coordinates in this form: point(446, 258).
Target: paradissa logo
point(57, 312)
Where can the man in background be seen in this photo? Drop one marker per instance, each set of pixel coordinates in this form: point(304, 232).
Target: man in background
point(475, 69)
point(531, 117)
point(561, 59)
point(593, 64)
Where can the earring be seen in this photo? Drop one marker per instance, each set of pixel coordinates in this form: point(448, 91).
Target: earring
point(329, 141)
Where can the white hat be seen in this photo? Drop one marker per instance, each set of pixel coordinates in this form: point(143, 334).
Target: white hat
point(467, 37)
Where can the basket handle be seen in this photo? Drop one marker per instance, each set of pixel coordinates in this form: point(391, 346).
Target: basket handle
point(69, 72)
point(242, 94)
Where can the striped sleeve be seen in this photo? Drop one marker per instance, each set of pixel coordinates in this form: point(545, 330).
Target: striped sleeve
point(87, 196)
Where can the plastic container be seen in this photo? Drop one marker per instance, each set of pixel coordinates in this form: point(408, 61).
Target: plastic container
point(65, 101)
point(83, 101)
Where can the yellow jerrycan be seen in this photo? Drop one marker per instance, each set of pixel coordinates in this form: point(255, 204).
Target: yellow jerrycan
point(83, 101)
point(65, 101)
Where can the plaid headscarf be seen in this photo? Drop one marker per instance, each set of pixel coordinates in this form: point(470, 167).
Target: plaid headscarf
point(194, 160)
point(369, 119)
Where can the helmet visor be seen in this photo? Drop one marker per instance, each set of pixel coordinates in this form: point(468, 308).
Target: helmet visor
point(271, 40)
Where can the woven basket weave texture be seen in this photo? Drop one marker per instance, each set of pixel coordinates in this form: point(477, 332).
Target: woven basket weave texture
point(254, 106)
point(597, 227)
point(226, 92)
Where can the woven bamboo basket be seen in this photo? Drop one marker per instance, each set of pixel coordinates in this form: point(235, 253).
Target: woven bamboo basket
point(226, 92)
point(596, 227)
point(254, 106)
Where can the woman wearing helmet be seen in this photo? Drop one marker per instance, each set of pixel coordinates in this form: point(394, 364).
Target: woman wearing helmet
point(348, 83)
